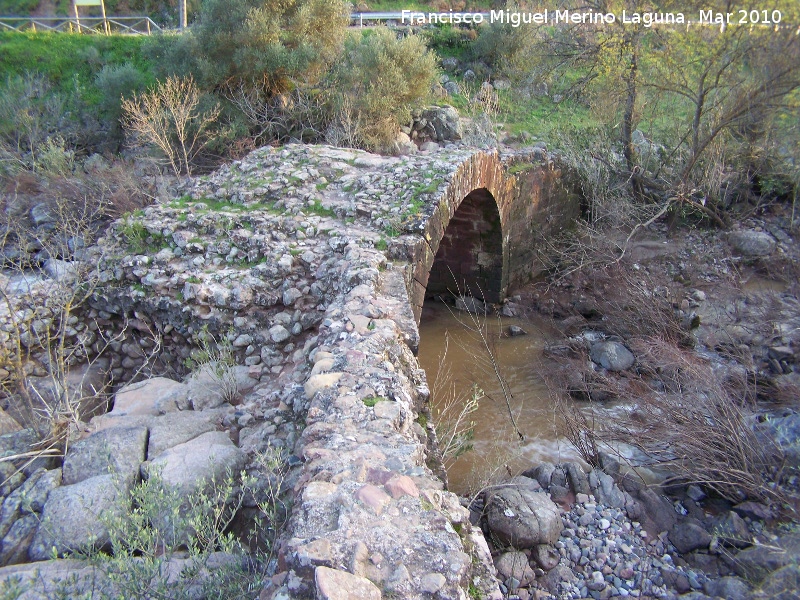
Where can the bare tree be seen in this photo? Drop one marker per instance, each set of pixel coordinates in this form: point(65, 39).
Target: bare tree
point(168, 116)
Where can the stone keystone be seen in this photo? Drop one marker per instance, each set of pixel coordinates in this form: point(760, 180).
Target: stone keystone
point(340, 585)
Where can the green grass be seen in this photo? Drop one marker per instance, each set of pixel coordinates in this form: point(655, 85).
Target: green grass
point(541, 117)
point(70, 62)
point(317, 209)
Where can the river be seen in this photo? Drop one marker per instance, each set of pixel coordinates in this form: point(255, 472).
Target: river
point(497, 450)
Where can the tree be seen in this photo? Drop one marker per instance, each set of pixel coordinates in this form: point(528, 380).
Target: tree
point(707, 92)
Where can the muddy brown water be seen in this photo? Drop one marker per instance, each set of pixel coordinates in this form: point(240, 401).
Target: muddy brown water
point(497, 450)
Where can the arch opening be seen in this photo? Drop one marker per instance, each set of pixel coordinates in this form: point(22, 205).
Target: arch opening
point(469, 261)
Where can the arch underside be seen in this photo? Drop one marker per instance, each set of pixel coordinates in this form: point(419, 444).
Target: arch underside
point(469, 259)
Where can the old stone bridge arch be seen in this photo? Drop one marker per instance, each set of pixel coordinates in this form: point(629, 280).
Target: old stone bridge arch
point(314, 262)
point(482, 235)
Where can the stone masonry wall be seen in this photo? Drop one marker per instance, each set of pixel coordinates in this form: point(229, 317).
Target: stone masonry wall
point(311, 262)
point(532, 200)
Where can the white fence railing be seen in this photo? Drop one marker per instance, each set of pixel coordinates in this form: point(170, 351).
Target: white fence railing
point(91, 25)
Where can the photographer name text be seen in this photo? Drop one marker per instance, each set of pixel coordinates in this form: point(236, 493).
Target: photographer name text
point(554, 17)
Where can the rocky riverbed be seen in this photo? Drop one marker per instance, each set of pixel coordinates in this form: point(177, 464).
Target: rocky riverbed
point(728, 304)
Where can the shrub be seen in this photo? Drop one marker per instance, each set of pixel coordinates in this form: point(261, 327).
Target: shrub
point(169, 117)
point(383, 78)
point(30, 113)
point(268, 45)
point(506, 48)
point(115, 82)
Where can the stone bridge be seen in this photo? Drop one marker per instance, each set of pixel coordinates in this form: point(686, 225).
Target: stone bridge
point(314, 262)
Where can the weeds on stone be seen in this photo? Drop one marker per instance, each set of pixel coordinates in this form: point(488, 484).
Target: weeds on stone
point(215, 357)
point(173, 546)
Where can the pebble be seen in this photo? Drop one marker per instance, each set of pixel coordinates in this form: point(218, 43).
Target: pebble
point(610, 556)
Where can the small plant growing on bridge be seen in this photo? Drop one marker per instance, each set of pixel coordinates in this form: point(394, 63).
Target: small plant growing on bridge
point(215, 357)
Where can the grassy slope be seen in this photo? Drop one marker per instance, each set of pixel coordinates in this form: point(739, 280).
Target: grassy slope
point(70, 62)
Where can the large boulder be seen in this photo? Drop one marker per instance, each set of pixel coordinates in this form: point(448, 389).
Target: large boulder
point(752, 243)
point(190, 466)
point(117, 451)
point(178, 428)
point(514, 565)
point(63, 578)
point(756, 562)
point(689, 535)
point(783, 584)
point(612, 356)
point(14, 549)
point(523, 518)
point(73, 517)
point(443, 123)
point(154, 396)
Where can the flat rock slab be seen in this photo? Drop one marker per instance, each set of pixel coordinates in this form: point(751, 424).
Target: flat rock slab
point(52, 579)
point(339, 585)
point(167, 430)
point(178, 428)
point(189, 466)
point(155, 396)
point(72, 517)
point(115, 451)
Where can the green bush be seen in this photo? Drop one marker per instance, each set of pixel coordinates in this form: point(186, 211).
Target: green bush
point(172, 55)
point(267, 44)
point(114, 83)
point(506, 48)
point(380, 79)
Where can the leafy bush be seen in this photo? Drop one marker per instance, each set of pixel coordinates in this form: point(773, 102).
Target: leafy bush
point(379, 81)
point(267, 45)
